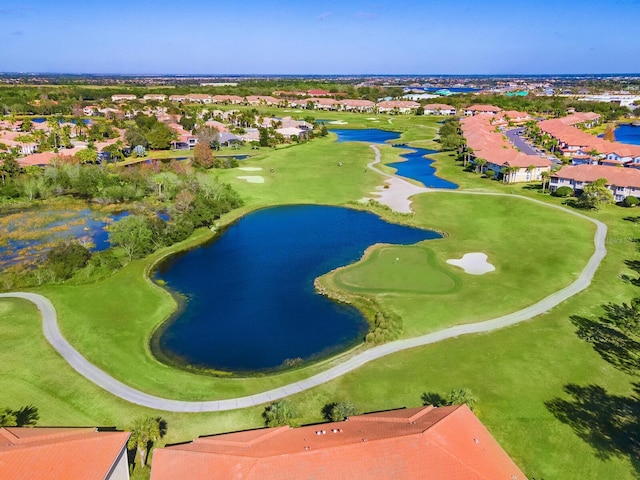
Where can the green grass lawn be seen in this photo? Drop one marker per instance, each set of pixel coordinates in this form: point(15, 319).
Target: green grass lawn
point(394, 269)
point(516, 373)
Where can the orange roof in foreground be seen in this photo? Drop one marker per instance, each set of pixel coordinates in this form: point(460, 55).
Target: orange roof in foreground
point(58, 453)
point(420, 443)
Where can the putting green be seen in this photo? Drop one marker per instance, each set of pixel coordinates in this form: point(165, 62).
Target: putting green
point(401, 269)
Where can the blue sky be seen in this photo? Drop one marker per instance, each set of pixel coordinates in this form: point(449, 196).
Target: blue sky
point(322, 37)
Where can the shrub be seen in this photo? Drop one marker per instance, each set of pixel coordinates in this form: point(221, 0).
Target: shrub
point(65, 258)
point(564, 192)
point(630, 201)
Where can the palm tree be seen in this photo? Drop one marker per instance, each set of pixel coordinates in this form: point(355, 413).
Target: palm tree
point(480, 163)
point(545, 178)
point(144, 432)
point(530, 170)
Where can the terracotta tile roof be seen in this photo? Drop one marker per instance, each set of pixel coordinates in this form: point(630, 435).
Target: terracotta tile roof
point(420, 443)
point(358, 103)
point(483, 108)
point(58, 453)
point(618, 176)
point(317, 93)
point(43, 158)
point(492, 146)
point(563, 130)
point(398, 104)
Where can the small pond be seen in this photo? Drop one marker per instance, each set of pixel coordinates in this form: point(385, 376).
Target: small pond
point(251, 300)
point(419, 168)
point(628, 134)
point(415, 167)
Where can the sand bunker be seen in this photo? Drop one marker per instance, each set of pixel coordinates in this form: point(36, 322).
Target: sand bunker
point(252, 178)
point(338, 122)
point(473, 263)
point(250, 169)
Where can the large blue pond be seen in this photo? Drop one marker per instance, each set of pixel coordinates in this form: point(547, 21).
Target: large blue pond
point(251, 299)
point(628, 134)
point(415, 165)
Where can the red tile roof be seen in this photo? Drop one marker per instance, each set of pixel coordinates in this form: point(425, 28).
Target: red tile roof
point(563, 130)
point(419, 443)
point(398, 104)
point(492, 146)
point(618, 176)
point(483, 108)
point(58, 453)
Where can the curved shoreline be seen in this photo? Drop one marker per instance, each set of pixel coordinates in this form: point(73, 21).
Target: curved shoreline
point(403, 191)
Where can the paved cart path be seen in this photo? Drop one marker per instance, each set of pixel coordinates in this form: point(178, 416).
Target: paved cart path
point(115, 387)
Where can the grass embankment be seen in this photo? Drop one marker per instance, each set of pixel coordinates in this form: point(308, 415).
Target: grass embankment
point(514, 372)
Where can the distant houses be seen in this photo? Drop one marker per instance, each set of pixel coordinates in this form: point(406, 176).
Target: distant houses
point(439, 109)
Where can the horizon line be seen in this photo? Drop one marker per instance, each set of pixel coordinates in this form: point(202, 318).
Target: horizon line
point(224, 75)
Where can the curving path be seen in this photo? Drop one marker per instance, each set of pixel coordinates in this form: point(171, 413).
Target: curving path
point(115, 387)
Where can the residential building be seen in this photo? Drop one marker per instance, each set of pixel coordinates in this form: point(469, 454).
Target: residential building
point(178, 98)
point(159, 97)
point(325, 103)
point(227, 99)
point(123, 97)
point(397, 106)
point(439, 109)
point(90, 110)
point(63, 454)
point(419, 444)
point(199, 98)
point(500, 155)
point(477, 109)
point(622, 182)
point(362, 106)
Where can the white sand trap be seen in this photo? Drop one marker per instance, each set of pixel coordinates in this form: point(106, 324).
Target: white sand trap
point(250, 169)
point(473, 263)
point(252, 178)
point(338, 122)
point(371, 118)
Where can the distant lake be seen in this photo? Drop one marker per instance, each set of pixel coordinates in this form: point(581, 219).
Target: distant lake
point(628, 134)
point(251, 302)
point(416, 167)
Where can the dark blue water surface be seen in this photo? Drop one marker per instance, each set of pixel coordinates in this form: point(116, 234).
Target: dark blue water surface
point(419, 168)
point(370, 135)
point(628, 134)
point(252, 303)
point(415, 167)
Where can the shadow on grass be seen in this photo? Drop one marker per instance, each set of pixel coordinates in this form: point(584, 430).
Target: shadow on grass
point(614, 346)
point(609, 423)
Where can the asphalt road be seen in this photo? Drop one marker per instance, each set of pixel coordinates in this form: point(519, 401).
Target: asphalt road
point(115, 387)
point(519, 143)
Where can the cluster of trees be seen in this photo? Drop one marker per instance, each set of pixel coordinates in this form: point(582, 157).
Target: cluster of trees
point(283, 412)
point(148, 132)
point(195, 202)
point(450, 135)
point(457, 396)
